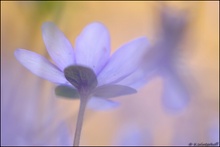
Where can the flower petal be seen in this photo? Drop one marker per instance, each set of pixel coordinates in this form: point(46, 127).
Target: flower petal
point(58, 46)
point(109, 91)
point(124, 61)
point(101, 104)
point(131, 134)
point(175, 94)
point(40, 66)
point(138, 78)
point(93, 46)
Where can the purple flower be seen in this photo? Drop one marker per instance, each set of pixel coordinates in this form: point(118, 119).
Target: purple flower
point(87, 69)
point(165, 57)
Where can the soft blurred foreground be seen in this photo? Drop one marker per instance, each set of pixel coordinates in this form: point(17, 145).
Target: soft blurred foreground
point(179, 104)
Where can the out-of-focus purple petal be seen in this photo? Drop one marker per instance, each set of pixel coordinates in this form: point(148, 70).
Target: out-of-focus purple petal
point(130, 134)
point(40, 66)
point(93, 46)
point(109, 91)
point(138, 78)
point(58, 46)
point(213, 131)
point(175, 95)
point(124, 61)
point(101, 104)
point(148, 67)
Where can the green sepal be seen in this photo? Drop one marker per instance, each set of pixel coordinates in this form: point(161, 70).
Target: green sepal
point(66, 92)
point(83, 78)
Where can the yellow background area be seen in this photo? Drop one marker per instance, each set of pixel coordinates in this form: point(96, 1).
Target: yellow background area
point(33, 115)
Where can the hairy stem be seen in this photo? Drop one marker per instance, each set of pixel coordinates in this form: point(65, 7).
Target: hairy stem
point(83, 102)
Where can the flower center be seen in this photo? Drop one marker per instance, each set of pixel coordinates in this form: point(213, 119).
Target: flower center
point(83, 78)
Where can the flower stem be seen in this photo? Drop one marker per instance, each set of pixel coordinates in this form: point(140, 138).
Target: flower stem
point(83, 102)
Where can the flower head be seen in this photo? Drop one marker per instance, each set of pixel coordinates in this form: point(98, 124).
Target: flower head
point(166, 59)
point(87, 69)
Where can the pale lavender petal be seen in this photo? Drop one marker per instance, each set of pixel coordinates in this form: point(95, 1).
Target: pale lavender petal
point(93, 46)
point(109, 91)
point(40, 66)
point(175, 94)
point(124, 61)
point(58, 46)
point(213, 130)
point(131, 134)
point(101, 104)
point(138, 78)
point(145, 72)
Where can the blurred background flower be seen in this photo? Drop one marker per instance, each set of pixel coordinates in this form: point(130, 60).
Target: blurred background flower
point(31, 114)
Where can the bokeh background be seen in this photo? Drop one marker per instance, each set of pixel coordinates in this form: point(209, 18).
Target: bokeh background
point(31, 114)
